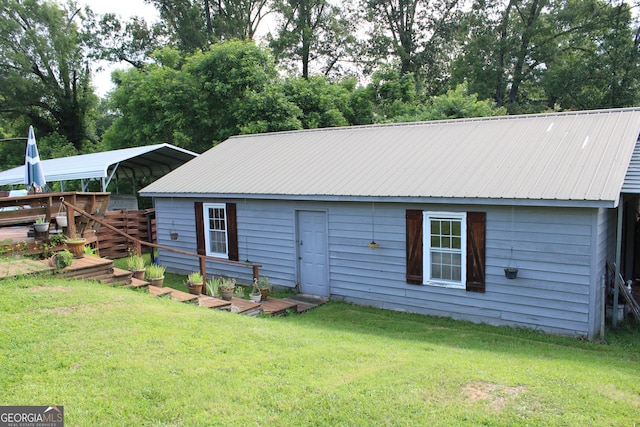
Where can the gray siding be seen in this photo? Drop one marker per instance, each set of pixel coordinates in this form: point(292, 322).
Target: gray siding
point(554, 249)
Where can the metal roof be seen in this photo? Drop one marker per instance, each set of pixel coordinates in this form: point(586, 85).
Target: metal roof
point(567, 157)
point(150, 160)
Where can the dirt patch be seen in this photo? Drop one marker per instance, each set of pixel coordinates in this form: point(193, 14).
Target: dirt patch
point(60, 310)
point(50, 288)
point(496, 396)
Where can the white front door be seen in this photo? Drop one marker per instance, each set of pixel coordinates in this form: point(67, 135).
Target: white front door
point(313, 253)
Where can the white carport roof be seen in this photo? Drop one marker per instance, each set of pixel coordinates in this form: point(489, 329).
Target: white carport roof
point(128, 163)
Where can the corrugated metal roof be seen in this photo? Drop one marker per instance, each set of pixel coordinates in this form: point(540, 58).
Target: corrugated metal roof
point(150, 160)
point(578, 156)
point(632, 179)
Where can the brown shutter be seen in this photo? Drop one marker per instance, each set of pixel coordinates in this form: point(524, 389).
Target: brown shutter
point(476, 226)
point(414, 247)
point(232, 232)
point(200, 242)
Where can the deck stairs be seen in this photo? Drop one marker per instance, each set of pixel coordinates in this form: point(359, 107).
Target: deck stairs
point(103, 270)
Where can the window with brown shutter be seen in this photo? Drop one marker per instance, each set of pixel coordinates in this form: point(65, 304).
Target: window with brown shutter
point(414, 247)
point(216, 229)
point(446, 258)
point(476, 230)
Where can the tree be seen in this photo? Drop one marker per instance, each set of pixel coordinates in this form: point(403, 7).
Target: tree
point(198, 101)
point(533, 54)
point(312, 31)
point(323, 104)
point(44, 74)
point(193, 25)
point(417, 33)
point(132, 41)
point(599, 64)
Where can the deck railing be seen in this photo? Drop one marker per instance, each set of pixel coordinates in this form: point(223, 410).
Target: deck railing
point(139, 243)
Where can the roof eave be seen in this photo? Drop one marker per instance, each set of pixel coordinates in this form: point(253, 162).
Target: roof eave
point(393, 199)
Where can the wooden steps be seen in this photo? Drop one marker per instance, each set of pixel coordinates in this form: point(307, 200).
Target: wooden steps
point(103, 270)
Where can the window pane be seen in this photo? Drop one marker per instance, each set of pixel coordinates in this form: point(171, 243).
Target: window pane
point(456, 243)
point(446, 227)
point(456, 230)
point(435, 227)
point(446, 242)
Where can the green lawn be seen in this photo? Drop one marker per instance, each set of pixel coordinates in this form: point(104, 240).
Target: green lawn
point(119, 357)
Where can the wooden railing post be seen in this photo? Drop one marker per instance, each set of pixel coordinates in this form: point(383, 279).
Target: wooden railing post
point(138, 243)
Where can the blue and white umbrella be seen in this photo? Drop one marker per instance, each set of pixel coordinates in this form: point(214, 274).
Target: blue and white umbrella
point(33, 175)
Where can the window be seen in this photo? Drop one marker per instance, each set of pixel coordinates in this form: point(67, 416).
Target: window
point(472, 235)
point(215, 227)
point(213, 222)
point(445, 249)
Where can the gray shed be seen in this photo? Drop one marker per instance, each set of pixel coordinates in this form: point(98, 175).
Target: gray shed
point(422, 217)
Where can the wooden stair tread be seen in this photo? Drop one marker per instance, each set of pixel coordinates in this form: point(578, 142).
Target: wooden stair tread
point(137, 283)
point(211, 302)
point(180, 296)
point(159, 292)
point(245, 306)
point(275, 306)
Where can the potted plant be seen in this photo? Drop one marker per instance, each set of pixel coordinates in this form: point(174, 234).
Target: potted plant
point(61, 259)
point(213, 286)
point(227, 287)
point(195, 281)
point(41, 224)
point(265, 287)
point(76, 246)
point(255, 295)
point(155, 274)
point(135, 263)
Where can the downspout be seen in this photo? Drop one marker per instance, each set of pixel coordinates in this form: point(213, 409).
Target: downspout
point(616, 279)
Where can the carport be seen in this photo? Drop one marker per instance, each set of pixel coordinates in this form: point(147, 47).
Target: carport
point(150, 161)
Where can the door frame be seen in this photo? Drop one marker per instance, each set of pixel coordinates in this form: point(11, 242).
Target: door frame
point(297, 244)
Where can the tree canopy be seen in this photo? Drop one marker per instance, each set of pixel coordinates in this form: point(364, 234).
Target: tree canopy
point(208, 70)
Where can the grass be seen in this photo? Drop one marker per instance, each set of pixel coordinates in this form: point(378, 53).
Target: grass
point(114, 356)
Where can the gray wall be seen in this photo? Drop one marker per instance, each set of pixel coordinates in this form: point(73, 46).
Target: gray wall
point(560, 254)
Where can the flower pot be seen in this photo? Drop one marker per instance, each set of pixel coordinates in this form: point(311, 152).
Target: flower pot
point(173, 235)
point(41, 228)
point(195, 288)
point(61, 220)
point(138, 274)
point(510, 273)
point(156, 281)
point(255, 298)
point(226, 294)
point(264, 293)
point(76, 247)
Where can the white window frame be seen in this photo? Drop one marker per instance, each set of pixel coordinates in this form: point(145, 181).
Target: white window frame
point(207, 229)
point(427, 216)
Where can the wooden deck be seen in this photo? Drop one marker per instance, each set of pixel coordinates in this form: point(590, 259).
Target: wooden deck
point(102, 270)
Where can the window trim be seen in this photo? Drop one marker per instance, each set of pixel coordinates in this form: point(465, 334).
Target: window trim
point(207, 230)
point(426, 248)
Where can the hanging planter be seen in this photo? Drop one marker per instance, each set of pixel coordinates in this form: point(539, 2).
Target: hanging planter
point(61, 220)
point(61, 216)
point(510, 271)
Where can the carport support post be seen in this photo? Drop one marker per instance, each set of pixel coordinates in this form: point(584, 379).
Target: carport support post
point(616, 279)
